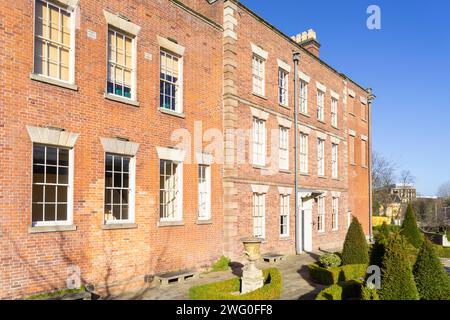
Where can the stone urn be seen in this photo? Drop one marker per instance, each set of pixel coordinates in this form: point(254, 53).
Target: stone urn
point(252, 277)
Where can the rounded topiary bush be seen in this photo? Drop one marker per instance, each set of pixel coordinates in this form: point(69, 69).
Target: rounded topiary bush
point(431, 279)
point(355, 249)
point(409, 228)
point(330, 260)
point(397, 281)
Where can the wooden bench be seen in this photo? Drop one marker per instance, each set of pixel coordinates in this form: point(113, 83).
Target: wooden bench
point(273, 257)
point(176, 277)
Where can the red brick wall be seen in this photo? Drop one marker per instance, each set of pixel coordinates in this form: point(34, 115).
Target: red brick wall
point(359, 174)
point(250, 29)
point(32, 263)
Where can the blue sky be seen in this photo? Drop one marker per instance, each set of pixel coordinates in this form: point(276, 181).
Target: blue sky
point(407, 63)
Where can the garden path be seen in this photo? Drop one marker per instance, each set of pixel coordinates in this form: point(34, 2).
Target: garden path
point(296, 281)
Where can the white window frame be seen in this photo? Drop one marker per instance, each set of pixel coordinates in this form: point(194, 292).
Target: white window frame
point(284, 148)
point(204, 192)
point(320, 157)
point(320, 105)
point(284, 212)
point(131, 190)
point(180, 83)
point(304, 165)
point(259, 142)
point(321, 214)
point(303, 97)
point(258, 75)
point(71, 12)
point(259, 215)
point(179, 192)
point(335, 214)
point(283, 87)
point(117, 31)
point(334, 112)
point(69, 203)
point(334, 160)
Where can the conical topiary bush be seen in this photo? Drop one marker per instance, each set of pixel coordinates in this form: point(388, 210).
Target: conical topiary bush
point(431, 279)
point(409, 228)
point(397, 280)
point(355, 249)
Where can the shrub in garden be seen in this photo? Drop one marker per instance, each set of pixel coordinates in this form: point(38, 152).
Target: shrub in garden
point(369, 293)
point(355, 249)
point(221, 265)
point(224, 290)
point(330, 260)
point(410, 229)
point(431, 279)
point(397, 280)
point(384, 230)
point(323, 275)
point(348, 290)
point(334, 275)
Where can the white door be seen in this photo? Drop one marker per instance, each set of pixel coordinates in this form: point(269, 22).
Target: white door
point(306, 216)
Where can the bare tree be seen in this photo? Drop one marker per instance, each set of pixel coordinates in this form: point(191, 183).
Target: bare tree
point(444, 190)
point(383, 177)
point(406, 179)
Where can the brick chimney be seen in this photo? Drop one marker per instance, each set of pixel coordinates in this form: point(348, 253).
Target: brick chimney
point(308, 40)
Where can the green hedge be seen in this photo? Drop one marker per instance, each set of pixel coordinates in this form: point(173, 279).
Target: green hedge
point(223, 290)
point(222, 264)
point(334, 275)
point(442, 252)
point(348, 290)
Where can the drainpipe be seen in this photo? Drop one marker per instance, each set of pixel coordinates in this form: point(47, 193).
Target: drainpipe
point(298, 244)
point(370, 99)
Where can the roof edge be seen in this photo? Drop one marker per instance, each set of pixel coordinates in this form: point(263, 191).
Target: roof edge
point(282, 34)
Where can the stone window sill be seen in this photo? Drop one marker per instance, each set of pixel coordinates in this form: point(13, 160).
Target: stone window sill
point(115, 226)
point(284, 106)
point(55, 82)
point(204, 222)
point(304, 114)
point(364, 120)
point(304, 174)
point(172, 113)
point(322, 177)
point(285, 171)
point(334, 127)
point(115, 98)
point(321, 121)
point(285, 238)
point(336, 179)
point(351, 113)
point(259, 96)
point(45, 229)
point(259, 167)
point(170, 223)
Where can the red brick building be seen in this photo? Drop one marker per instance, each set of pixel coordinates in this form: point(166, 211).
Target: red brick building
point(333, 140)
point(120, 155)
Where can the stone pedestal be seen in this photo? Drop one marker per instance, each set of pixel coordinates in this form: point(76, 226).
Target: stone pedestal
point(252, 278)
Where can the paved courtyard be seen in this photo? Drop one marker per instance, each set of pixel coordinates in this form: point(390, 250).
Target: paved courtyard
point(296, 281)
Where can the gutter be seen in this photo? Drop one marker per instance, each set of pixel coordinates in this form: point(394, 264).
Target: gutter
point(298, 242)
point(370, 100)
